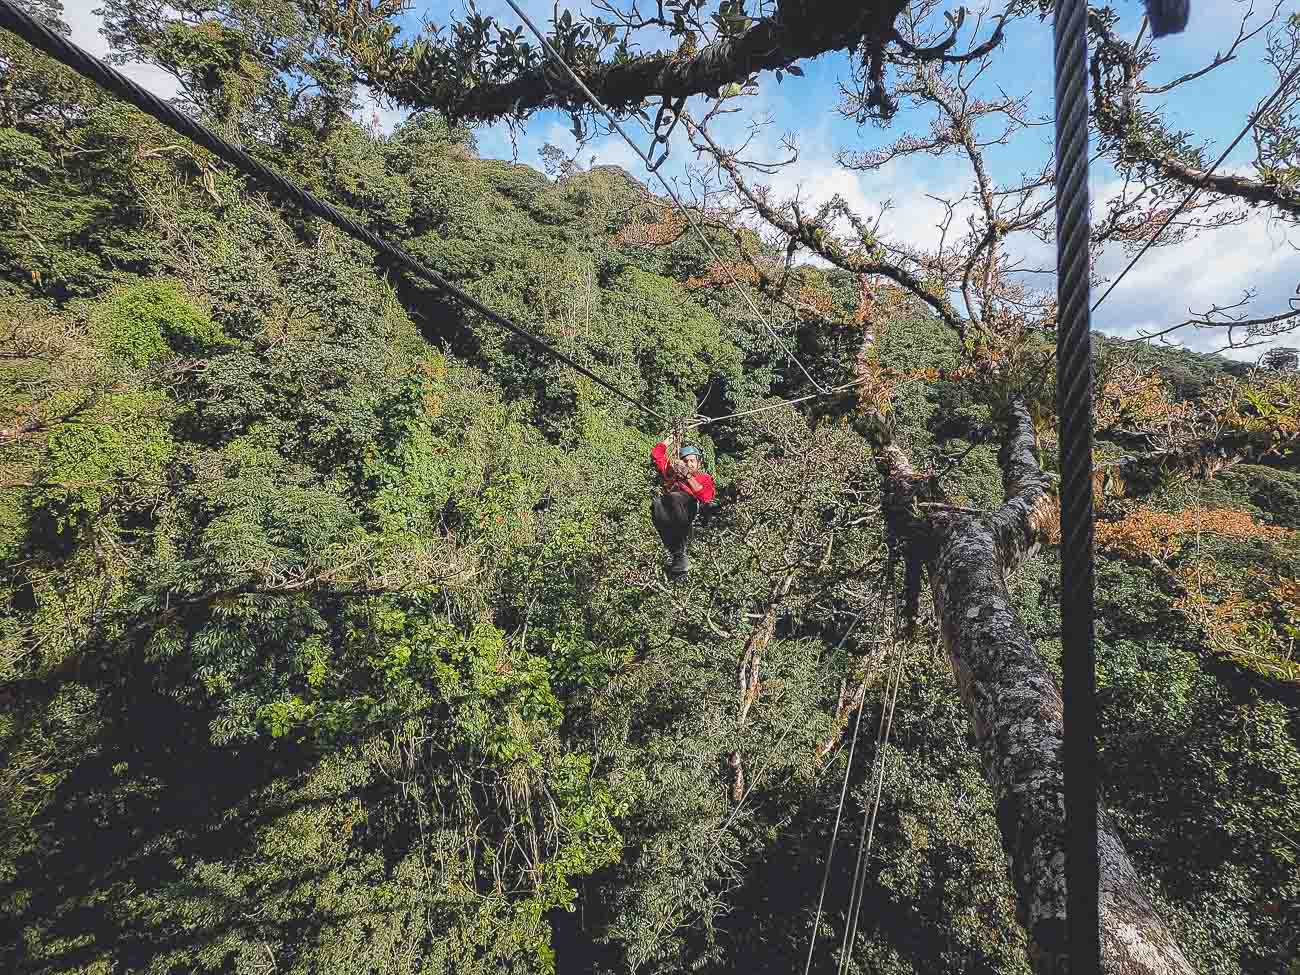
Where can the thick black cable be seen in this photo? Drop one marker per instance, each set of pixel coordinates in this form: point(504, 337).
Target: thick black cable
point(41, 37)
point(1074, 407)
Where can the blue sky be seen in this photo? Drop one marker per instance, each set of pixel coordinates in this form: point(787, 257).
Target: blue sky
point(806, 105)
point(1165, 286)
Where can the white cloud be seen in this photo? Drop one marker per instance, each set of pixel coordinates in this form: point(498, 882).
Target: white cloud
point(914, 215)
point(1165, 287)
point(85, 25)
point(1171, 284)
point(613, 151)
point(373, 112)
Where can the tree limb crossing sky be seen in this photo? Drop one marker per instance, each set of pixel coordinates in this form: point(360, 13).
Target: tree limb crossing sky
point(1168, 285)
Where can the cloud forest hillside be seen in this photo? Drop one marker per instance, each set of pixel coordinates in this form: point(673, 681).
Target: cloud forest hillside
point(335, 635)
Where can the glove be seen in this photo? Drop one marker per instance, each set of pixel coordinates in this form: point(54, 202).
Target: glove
point(679, 468)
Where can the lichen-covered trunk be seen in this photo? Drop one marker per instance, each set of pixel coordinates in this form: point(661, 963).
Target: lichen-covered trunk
point(1016, 714)
point(811, 28)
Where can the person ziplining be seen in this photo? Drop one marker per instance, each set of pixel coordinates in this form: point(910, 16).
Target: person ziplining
point(685, 487)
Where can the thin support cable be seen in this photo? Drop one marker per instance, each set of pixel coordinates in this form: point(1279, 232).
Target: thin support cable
point(707, 421)
point(1204, 180)
point(866, 838)
point(653, 168)
point(858, 885)
point(875, 805)
point(781, 741)
point(41, 37)
point(835, 832)
point(1074, 408)
point(774, 406)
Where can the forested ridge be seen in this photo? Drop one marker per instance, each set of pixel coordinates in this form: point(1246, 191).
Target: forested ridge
point(335, 633)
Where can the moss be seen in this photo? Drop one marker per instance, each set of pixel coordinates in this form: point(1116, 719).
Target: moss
point(1275, 492)
point(144, 321)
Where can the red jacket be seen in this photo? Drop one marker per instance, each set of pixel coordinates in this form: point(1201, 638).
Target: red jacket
point(699, 485)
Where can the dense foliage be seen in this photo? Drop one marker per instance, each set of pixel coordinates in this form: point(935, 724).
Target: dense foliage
point(334, 634)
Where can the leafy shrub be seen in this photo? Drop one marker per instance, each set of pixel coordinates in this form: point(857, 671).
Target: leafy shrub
point(144, 321)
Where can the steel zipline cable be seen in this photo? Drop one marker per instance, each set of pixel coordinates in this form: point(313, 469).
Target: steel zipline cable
point(653, 168)
point(41, 37)
point(1074, 409)
point(708, 421)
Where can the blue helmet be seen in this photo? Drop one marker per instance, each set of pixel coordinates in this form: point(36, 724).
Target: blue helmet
point(688, 450)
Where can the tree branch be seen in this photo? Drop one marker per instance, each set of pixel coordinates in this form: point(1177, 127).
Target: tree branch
point(939, 51)
point(1030, 509)
point(811, 235)
point(1016, 713)
point(819, 27)
point(1139, 138)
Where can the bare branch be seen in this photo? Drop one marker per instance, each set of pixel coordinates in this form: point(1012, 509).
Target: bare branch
point(1257, 330)
point(812, 235)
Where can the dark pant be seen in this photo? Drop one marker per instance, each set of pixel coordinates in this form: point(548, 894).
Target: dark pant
point(673, 514)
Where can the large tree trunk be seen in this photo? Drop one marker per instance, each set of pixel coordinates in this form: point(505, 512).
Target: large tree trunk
point(1016, 713)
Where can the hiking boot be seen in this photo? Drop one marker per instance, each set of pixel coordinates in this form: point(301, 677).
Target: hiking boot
point(680, 564)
